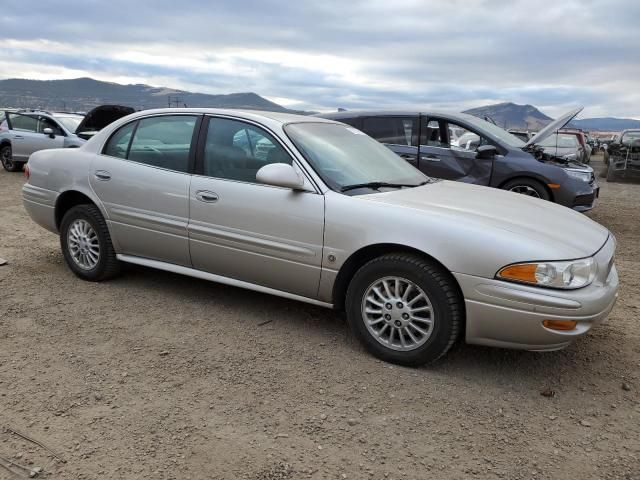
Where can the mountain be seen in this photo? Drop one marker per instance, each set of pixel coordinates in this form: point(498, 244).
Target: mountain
point(511, 115)
point(606, 124)
point(82, 94)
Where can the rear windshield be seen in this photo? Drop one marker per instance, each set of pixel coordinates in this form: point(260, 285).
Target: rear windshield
point(560, 141)
point(629, 137)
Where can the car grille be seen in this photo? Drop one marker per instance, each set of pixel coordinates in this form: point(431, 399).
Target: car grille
point(584, 200)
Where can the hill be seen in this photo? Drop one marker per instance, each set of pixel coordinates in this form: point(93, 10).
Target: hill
point(606, 124)
point(511, 115)
point(82, 94)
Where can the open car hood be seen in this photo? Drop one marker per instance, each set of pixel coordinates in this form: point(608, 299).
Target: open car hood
point(100, 117)
point(553, 126)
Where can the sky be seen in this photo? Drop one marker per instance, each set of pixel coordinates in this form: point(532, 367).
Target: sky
point(321, 55)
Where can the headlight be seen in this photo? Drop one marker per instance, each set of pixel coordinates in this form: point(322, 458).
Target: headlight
point(567, 275)
point(583, 175)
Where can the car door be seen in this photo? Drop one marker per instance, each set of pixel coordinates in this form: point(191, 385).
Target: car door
point(448, 151)
point(24, 135)
point(241, 229)
point(399, 133)
point(142, 179)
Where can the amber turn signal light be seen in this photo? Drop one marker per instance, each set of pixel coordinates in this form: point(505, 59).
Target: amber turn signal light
point(525, 272)
point(562, 325)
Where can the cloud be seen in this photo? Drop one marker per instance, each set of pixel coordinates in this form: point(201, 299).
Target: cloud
point(358, 54)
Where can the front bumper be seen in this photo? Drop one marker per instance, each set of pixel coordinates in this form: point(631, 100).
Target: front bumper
point(504, 314)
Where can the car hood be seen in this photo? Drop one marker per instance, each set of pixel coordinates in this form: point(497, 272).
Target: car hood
point(553, 126)
point(100, 117)
point(571, 234)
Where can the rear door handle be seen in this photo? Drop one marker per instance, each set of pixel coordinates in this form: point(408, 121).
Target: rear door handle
point(102, 175)
point(430, 158)
point(18, 137)
point(407, 156)
point(207, 196)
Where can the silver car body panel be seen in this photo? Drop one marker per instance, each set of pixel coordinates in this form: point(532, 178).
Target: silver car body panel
point(294, 244)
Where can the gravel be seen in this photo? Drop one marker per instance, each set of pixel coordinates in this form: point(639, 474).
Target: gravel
point(154, 375)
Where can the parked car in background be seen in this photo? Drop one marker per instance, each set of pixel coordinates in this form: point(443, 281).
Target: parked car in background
point(330, 217)
point(23, 132)
point(524, 135)
point(623, 156)
point(582, 140)
point(483, 154)
point(563, 145)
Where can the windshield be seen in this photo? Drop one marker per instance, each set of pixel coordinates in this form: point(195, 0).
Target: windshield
point(563, 141)
point(343, 156)
point(496, 131)
point(70, 122)
point(629, 137)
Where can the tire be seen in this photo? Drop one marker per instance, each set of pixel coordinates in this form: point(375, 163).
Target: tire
point(527, 186)
point(91, 234)
point(6, 157)
point(406, 345)
point(611, 173)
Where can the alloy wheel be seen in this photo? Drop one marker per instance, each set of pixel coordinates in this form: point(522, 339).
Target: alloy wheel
point(83, 244)
point(397, 313)
point(7, 159)
point(525, 190)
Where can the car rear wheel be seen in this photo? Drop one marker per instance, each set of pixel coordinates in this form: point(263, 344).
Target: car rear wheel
point(611, 173)
point(405, 309)
point(6, 156)
point(86, 244)
point(527, 186)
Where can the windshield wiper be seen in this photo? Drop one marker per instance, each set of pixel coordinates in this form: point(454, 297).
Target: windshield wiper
point(379, 185)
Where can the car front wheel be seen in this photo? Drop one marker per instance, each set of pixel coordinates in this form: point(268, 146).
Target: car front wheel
point(405, 309)
point(6, 156)
point(86, 244)
point(527, 186)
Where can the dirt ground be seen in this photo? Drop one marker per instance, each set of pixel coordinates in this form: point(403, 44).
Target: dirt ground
point(155, 375)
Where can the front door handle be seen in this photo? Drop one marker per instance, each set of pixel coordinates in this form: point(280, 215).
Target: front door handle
point(408, 156)
point(206, 196)
point(102, 175)
point(18, 137)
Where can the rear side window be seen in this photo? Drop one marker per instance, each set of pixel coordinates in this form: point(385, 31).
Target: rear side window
point(163, 142)
point(118, 144)
point(24, 123)
point(392, 130)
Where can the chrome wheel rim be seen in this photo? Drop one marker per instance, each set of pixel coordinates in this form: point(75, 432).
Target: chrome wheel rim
point(397, 313)
point(83, 244)
point(525, 190)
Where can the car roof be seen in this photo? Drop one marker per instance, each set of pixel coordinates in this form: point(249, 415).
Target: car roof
point(393, 113)
point(277, 117)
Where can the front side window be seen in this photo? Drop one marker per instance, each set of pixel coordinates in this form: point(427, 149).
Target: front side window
point(392, 130)
point(23, 123)
point(48, 123)
point(236, 150)
point(462, 139)
point(163, 142)
point(344, 156)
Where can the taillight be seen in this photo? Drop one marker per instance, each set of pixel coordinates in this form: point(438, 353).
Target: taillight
point(27, 172)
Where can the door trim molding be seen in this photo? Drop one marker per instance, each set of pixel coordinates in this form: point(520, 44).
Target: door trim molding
point(191, 272)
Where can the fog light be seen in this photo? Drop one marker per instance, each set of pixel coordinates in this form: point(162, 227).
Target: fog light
point(562, 325)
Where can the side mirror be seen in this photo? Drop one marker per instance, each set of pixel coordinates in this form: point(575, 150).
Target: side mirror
point(486, 152)
point(48, 131)
point(280, 175)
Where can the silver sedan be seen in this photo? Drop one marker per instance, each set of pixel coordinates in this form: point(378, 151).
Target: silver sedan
point(316, 211)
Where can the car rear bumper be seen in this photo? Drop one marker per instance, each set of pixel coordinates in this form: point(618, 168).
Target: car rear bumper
point(40, 205)
point(503, 314)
